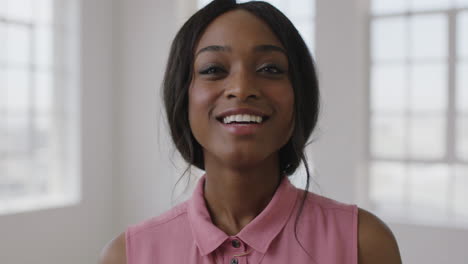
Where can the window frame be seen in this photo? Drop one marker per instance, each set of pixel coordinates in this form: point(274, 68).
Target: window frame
point(64, 186)
point(402, 215)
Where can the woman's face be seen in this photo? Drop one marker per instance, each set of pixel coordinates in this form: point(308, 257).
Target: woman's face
point(240, 76)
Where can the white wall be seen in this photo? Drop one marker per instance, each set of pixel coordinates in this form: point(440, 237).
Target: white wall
point(339, 151)
point(146, 29)
point(75, 234)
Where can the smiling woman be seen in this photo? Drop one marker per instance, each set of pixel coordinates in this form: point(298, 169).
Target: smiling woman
point(242, 99)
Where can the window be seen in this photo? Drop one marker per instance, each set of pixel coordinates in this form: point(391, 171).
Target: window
point(38, 104)
point(418, 110)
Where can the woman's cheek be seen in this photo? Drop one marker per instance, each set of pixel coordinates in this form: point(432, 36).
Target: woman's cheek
point(199, 110)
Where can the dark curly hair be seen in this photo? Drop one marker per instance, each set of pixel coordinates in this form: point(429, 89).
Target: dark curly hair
point(302, 74)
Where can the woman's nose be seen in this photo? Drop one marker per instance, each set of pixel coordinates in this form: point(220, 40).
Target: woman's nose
point(242, 86)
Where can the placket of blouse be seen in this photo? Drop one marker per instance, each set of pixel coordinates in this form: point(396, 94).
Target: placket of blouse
point(233, 251)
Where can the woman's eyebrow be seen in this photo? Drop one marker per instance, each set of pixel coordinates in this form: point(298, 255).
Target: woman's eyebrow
point(269, 48)
point(258, 48)
point(216, 48)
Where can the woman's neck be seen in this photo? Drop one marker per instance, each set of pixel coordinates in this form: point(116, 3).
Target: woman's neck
point(235, 197)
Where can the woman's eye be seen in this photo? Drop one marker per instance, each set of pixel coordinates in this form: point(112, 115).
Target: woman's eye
point(211, 70)
point(272, 69)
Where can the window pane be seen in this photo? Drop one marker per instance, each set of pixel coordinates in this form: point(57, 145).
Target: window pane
point(388, 88)
point(462, 88)
point(305, 29)
point(388, 136)
point(3, 138)
point(17, 134)
point(311, 41)
point(428, 188)
point(389, 39)
point(427, 137)
point(43, 50)
point(202, 3)
point(428, 87)
point(418, 5)
point(18, 174)
point(388, 6)
point(19, 10)
point(3, 11)
point(462, 138)
point(18, 45)
point(428, 37)
point(3, 91)
point(462, 34)
point(43, 11)
point(42, 134)
point(3, 101)
point(2, 44)
point(27, 178)
point(280, 4)
point(461, 3)
point(301, 8)
point(17, 91)
point(277, 3)
point(460, 192)
point(43, 92)
point(387, 183)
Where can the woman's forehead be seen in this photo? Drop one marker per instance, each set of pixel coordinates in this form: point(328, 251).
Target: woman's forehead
point(238, 29)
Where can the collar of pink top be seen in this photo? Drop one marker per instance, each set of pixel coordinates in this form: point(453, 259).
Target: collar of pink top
point(258, 234)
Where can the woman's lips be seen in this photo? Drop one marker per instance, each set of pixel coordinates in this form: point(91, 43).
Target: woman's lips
point(241, 129)
point(241, 111)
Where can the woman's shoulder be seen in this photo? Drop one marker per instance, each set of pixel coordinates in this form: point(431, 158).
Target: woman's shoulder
point(319, 214)
point(325, 204)
point(375, 240)
point(374, 237)
point(161, 221)
point(115, 251)
point(377, 244)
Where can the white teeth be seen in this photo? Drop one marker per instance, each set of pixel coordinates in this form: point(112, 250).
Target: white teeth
point(242, 118)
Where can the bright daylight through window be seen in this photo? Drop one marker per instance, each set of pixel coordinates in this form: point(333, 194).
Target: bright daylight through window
point(418, 112)
point(38, 104)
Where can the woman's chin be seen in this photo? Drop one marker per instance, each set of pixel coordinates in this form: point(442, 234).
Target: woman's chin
point(246, 161)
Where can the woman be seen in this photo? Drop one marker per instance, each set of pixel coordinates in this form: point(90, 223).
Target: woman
point(241, 97)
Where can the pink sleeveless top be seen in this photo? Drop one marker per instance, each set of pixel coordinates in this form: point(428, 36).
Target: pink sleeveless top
point(326, 233)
